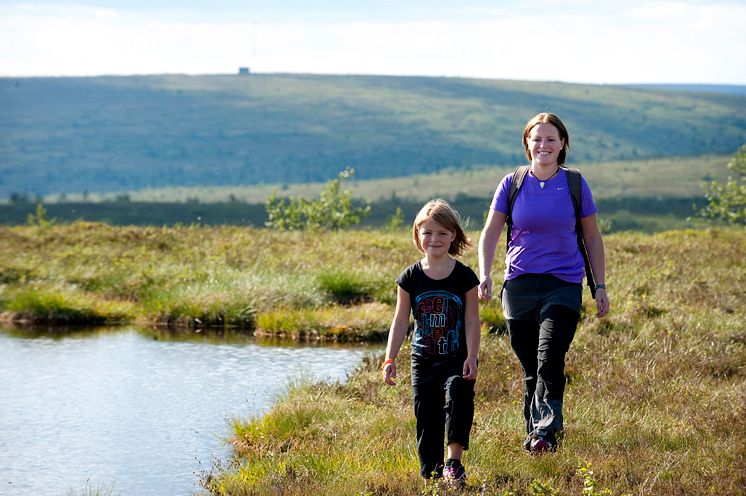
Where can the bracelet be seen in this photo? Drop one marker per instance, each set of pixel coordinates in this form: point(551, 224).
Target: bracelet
point(600, 286)
point(386, 362)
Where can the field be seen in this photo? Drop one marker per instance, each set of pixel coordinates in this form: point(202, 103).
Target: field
point(679, 177)
point(655, 399)
point(644, 195)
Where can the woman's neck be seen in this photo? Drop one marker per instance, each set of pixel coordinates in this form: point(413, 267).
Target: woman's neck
point(544, 172)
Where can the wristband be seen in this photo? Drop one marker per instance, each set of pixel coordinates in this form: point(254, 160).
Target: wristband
point(386, 362)
point(600, 286)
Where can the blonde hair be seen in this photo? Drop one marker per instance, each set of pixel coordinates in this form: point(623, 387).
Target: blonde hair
point(441, 212)
point(547, 118)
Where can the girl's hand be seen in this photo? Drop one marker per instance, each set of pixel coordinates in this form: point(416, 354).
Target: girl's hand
point(602, 302)
point(389, 371)
point(485, 288)
point(470, 368)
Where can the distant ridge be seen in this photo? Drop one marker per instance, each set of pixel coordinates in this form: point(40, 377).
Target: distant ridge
point(727, 89)
point(98, 134)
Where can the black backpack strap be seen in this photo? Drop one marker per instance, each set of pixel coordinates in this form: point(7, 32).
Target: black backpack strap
point(573, 181)
point(515, 184)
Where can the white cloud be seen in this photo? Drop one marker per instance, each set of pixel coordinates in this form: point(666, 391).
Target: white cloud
point(628, 42)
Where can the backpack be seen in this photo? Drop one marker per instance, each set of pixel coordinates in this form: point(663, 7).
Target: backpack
point(573, 181)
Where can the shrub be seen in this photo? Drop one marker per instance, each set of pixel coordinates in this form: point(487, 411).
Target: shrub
point(333, 209)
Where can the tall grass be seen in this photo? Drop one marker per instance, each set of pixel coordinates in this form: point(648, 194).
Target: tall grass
point(335, 285)
point(654, 401)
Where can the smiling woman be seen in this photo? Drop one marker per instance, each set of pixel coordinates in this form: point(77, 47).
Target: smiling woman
point(553, 242)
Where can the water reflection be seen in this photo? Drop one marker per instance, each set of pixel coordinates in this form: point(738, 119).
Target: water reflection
point(139, 409)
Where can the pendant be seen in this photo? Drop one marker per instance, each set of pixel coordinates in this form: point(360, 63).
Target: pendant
point(541, 184)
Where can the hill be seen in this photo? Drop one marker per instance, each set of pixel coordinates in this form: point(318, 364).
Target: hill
point(75, 135)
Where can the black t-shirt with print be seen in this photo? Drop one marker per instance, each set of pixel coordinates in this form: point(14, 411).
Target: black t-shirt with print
point(438, 308)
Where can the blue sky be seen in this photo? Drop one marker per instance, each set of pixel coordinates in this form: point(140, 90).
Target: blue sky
point(588, 41)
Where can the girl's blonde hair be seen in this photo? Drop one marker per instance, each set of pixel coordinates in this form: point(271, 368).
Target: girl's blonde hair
point(442, 213)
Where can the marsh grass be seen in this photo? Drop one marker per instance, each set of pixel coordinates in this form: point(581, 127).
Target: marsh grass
point(198, 277)
point(332, 323)
point(654, 401)
point(655, 395)
point(92, 488)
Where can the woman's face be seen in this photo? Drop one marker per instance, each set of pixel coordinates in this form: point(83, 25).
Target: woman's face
point(545, 144)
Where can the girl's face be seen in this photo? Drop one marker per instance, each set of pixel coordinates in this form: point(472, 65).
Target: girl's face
point(435, 239)
point(545, 144)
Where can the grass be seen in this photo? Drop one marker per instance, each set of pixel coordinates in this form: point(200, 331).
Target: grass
point(654, 401)
point(311, 285)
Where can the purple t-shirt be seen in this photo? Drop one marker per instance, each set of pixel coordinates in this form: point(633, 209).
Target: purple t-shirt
point(543, 239)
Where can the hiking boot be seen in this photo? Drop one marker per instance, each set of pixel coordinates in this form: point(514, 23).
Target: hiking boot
point(454, 475)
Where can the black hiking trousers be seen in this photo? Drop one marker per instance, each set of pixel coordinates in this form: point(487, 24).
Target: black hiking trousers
point(540, 337)
point(443, 407)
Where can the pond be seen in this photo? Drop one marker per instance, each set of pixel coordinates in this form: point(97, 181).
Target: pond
point(137, 412)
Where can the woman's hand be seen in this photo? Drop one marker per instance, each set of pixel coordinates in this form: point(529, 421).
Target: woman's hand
point(485, 288)
point(602, 302)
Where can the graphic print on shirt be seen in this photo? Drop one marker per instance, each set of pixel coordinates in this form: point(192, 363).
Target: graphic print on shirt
point(438, 322)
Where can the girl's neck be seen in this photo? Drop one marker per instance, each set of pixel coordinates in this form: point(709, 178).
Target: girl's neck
point(438, 268)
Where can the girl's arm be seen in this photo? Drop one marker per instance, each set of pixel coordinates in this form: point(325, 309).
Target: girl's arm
point(493, 227)
point(473, 334)
point(397, 333)
point(594, 244)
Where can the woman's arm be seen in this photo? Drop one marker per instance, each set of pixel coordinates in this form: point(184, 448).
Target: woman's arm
point(473, 334)
point(493, 227)
point(397, 333)
point(594, 244)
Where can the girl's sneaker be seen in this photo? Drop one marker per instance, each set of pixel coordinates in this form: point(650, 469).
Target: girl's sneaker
point(455, 475)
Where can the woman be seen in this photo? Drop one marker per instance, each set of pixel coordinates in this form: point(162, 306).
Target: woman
point(541, 295)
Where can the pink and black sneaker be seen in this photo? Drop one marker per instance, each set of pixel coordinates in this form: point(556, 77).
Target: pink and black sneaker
point(454, 473)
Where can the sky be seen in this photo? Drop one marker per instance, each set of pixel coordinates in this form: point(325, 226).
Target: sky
point(583, 41)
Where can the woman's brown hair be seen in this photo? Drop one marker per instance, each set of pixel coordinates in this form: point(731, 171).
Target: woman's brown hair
point(547, 118)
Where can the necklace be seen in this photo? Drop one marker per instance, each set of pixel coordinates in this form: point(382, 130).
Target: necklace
point(544, 182)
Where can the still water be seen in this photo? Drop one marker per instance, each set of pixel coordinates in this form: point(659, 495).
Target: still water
point(135, 411)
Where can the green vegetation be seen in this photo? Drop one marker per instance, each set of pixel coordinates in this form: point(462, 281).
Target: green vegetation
point(308, 284)
point(63, 136)
point(727, 201)
point(678, 177)
point(647, 195)
point(94, 489)
point(654, 401)
point(333, 209)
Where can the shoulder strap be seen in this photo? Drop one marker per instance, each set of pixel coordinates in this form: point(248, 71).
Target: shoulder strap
point(573, 181)
point(515, 184)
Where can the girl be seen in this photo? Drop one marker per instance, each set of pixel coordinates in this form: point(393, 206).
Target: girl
point(441, 293)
